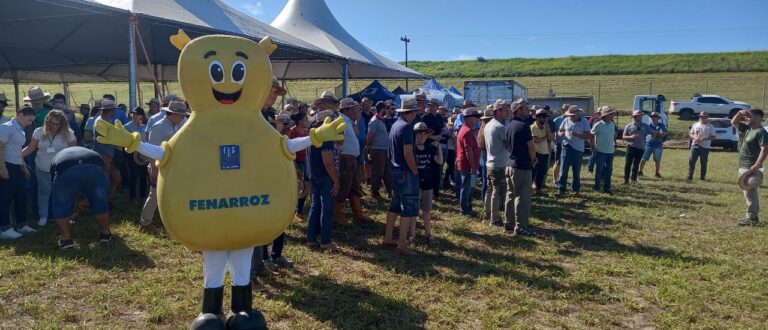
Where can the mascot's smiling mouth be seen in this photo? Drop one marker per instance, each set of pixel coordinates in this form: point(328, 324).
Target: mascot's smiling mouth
point(226, 98)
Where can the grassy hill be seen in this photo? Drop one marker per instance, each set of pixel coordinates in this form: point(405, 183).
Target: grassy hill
point(597, 65)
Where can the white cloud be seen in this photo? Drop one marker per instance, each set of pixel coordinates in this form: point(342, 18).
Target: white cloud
point(255, 9)
point(464, 57)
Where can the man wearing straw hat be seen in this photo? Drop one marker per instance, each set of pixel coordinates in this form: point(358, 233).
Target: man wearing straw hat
point(495, 134)
point(350, 176)
point(467, 160)
point(655, 144)
point(635, 133)
point(702, 133)
point(574, 131)
point(405, 177)
point(519, 173)
point(604, 131)
point(752, 154)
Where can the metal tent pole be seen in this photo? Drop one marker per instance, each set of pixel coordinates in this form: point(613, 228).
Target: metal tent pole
point(16, 88)
point(132, 62)
point(345, 81)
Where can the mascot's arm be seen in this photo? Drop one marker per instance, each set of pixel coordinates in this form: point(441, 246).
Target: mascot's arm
point(116, 135)
point(329, 131)
point(298, 144)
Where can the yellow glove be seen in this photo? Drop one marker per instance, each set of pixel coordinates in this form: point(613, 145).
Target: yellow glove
point(329, 131)
point(116, 135)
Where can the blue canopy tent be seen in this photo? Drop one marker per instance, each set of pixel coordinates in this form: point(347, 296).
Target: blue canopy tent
point(432, 84)
point(375, 91)
point(454, 90)
point(435, 90)
point(399, 91)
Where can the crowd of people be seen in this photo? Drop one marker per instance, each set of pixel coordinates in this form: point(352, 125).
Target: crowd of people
point(412, 153)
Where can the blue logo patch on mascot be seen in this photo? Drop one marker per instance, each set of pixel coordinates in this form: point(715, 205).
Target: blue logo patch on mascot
point(228, 203)
point(229, 157)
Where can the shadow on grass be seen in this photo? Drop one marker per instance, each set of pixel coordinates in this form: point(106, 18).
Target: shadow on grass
point(347, 306)
point(87, 250)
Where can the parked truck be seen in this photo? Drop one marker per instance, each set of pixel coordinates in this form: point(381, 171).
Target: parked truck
point(586, 103)
point(484, 92)
point(715, 105)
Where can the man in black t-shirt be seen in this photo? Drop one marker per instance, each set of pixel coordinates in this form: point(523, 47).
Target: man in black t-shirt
point(522, 159)
point(79, 170)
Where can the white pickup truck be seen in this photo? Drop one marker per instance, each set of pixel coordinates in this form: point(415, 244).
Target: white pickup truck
point(715, 105)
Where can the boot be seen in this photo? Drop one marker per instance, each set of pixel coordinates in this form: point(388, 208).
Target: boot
point(243, 316)
point(357, 209)
point(338, 214)
point(211, 317)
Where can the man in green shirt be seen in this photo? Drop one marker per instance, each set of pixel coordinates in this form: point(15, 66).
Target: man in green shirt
point(604, 131)
point(752, 154)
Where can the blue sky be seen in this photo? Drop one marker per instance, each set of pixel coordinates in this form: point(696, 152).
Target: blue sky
point(464, 29)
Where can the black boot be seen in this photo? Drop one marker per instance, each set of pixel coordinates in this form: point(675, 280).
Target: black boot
point(211, 317)
point(243, 316)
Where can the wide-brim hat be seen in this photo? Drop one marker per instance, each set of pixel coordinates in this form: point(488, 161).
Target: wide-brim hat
point(326, 97)
point(321, 115)
point(637, 113)
point(704, 114)
point(420, 96)
point(471, 112)
point(749, 181)
point(347, 103)
point(36, 94)
point(408, 105)
point(542, 112)
point(422, 127)
point(176, 107)
point(107, 104)
point(488, 114)
point(606, 111)
point(573, 111)
point(170, 98)
point(154, 101)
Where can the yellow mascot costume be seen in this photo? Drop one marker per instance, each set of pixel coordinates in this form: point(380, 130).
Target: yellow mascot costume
point(227, 181)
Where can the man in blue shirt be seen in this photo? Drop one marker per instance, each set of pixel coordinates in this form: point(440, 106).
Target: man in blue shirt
point(405, 177)
point(655, 143)
point(574, 132)
point(635, 133)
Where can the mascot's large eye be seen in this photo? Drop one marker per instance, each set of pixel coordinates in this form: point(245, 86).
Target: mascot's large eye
point(238, 72)
point(216, 71)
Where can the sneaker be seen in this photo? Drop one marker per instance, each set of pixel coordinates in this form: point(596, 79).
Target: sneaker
point(26, 230)
point(66, 244)
point(283, 262)
point(524, 232)
point(10, 234)
point(640, 173)
point(748, 222)
point(105, 238)
point(658, 175)
point(42, 222)
point(300, 217)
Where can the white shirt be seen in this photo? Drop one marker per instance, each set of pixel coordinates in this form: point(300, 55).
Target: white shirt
point(48, 147)
point(156, 118)
point(705, 130)
point(13, 137)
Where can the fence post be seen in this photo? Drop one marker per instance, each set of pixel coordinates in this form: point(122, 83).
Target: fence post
point(650, 87)
point(765, 83)
point(706, 87)
point(599, 85)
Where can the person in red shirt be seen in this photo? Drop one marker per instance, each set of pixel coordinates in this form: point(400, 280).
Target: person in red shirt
point(467, 159)
point(300, 129)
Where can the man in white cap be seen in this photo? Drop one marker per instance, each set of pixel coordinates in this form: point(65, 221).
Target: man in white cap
point(752, 154)
point(574, 131)
point(635, 133)
point(604, 131)
point(702, 133)
point(174, 120)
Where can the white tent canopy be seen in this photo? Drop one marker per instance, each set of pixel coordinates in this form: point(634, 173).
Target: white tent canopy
point(313, 22)
point(88, 40)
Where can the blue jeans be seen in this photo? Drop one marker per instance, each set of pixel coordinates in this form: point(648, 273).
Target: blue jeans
point(570, 159)
point(604, 164)
point(85, 178)
point(483, 176)
point(698, 153)
point(592, 160)
point(320, 211)
point(467, 183)
point(302, 166)
point(405, 193)
point(13, 189)
point(277, 248)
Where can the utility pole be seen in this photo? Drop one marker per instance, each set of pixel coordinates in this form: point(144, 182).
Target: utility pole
point(405, 40)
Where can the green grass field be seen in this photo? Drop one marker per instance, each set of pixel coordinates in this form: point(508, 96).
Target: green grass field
point(664, 253)
point(597, 65)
